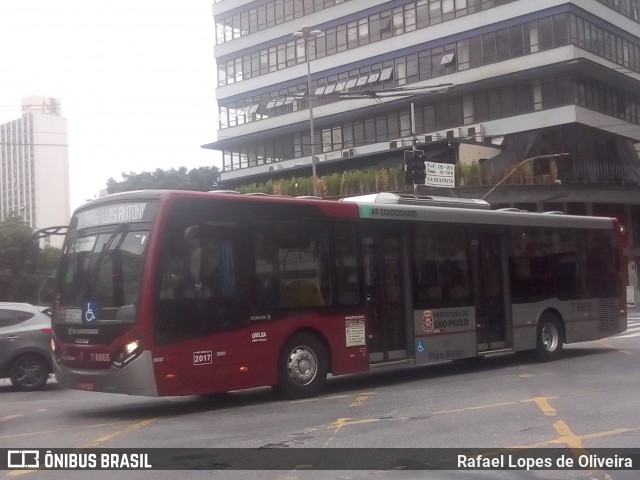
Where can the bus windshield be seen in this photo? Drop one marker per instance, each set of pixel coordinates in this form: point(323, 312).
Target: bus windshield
point(100, 275)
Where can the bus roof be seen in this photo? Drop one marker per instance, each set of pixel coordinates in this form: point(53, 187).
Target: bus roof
point(391, 206)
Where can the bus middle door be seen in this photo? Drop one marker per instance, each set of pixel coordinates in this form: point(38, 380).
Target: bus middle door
point(386, 332)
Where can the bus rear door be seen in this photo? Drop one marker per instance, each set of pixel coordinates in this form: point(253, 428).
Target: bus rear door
point(488, 264)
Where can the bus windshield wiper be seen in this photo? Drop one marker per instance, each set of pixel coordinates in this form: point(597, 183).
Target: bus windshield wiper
point(123, 229)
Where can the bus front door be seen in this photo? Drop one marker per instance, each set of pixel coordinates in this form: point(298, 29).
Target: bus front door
point(492, 332)
point(386, 333)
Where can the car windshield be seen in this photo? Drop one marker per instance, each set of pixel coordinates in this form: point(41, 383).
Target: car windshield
point(100, 275)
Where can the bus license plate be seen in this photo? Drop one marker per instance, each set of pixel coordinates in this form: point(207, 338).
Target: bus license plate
point(87, 386)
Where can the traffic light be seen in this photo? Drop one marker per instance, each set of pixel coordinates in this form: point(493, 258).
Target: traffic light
point(419, 168)
point(414, 167)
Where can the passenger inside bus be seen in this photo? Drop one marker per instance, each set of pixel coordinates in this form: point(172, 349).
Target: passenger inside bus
point(443, 281)
point(454, 283)
point(303, 293)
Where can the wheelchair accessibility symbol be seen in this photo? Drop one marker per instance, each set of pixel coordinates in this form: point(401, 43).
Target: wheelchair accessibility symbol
point(89, 310)
point(420, 346)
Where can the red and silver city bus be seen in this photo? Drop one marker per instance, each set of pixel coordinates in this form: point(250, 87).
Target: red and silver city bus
point(182, 293)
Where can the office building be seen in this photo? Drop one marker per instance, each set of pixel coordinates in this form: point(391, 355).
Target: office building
point(34, 166)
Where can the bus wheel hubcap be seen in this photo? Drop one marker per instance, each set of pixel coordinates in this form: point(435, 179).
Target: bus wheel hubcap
point(302, 365)
point(550, 337)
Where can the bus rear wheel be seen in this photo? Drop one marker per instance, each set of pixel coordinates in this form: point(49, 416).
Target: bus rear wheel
point(550, 338)
point(303, 366)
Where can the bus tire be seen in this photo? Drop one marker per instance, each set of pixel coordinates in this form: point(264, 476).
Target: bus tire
point(303, 366)
point(29, 372)
point(550, 338)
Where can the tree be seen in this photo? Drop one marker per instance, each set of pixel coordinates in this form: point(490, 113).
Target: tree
point(46, 266)
point(26, 271)
point(200, 179)
point(17, 281)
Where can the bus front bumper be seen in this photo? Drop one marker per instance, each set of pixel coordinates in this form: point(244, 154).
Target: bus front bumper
point(135, 378)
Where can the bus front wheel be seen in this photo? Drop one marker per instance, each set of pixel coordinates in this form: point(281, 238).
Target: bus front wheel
point(550, 338)
point(303, 366)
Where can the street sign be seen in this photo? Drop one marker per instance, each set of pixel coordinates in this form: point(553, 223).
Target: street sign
point(440, 175)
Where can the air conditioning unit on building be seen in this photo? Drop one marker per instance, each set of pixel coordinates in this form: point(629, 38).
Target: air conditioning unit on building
point(400, 143)
point(475, 132)
point(438, 135)
point(348, 152)
point(333, 155)
point(453, 133)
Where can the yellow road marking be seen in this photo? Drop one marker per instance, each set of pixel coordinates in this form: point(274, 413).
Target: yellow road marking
point(18, 435)
point(9, 417)
point(343, 422)
point(98, 425)
point(573, 441)
point(477, 407)
point(589, 436)
point(95, 443)
point(360, 399)
point(111, 436)
point(544, 405)
point(570, 439)
point(608, 433)
point(316, 399)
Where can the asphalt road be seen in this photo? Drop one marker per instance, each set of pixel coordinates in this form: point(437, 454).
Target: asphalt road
point(586, 400)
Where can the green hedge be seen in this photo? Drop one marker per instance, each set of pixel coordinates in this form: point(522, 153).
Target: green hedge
point(350, 182)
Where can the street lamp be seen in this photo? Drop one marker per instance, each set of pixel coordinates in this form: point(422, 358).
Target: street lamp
point(306, 33)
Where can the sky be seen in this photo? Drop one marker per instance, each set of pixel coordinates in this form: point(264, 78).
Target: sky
point(135, 79)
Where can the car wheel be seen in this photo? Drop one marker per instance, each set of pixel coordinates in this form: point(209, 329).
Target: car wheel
point(303, 367)
point(550, 338)
point(29, 372)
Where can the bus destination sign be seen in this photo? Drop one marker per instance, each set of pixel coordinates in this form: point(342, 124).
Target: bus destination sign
point(117, 213)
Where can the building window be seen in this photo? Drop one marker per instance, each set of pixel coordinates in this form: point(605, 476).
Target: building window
point(535, 95)
point(375, 27)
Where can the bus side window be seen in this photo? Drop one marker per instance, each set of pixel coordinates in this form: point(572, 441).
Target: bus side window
point(198, 290)
point(427, 287)
point(303, 263)
point(194, 253)
point(289, 266)
point(347, 281)
point(173, 268)
point(441, 276)
point(265, 288)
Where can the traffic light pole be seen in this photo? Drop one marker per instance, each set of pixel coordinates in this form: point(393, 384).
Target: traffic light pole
point(415, 170)
point(414, 142)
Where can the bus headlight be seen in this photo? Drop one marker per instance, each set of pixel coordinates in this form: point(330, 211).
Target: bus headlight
point(127, 353)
